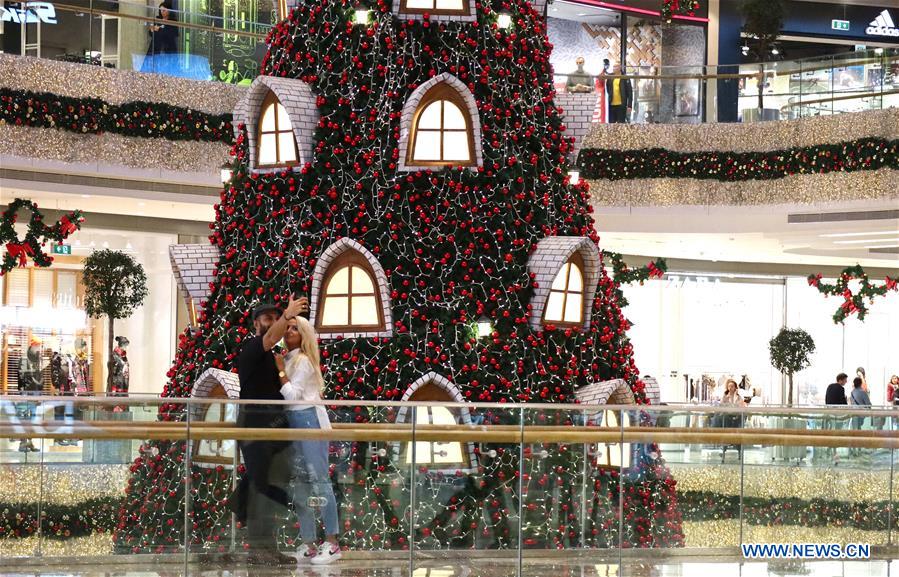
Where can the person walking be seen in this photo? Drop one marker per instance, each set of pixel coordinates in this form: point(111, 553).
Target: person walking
point(301, 380)
point(267, 462)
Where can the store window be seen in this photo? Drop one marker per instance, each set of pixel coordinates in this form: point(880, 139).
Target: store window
point(350, 299)
point(450, 455)
point(442, 130)
point(453, 7)
point(277, 144)
point(565, 305)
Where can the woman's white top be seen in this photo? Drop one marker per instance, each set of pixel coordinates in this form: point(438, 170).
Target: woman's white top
point(303, 385)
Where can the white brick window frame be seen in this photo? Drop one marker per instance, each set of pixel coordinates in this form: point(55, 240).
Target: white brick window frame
point(210, 380)
point(435, 15)
point(411, 107)
point(194, 267)
point(297, 99)
point(382, 286)
point(452, 390)
point(548, 259)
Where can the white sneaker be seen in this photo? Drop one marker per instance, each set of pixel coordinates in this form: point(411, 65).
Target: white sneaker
point(306, 552)
point(326, 554)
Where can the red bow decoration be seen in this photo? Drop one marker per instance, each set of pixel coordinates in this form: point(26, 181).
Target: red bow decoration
point(891, 284)
point(66, 227)
point(20, 251)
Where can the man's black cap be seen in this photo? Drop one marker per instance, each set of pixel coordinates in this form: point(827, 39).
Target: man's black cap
point(265, 308)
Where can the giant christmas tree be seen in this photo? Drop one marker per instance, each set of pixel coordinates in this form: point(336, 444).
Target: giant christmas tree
point(454, 243)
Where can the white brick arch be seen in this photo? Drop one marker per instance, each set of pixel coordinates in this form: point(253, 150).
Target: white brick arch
point(297, 98)
point(545, 262)
point(411, 107)
point(382, 286)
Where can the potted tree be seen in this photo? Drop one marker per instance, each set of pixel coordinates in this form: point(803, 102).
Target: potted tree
point(114, 285)
point(763, 20)
point(790, 351)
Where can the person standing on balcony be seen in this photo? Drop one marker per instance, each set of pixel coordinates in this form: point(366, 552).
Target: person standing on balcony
point(301, 380)
point(621, 97)
point(836, 392)
point(579, 80)
point(267, 462)
point(163, 37)
point(860, 398)
point(893, 390)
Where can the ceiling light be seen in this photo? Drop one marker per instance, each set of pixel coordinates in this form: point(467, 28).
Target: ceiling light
point(878, 51)
point(883, 246)
point(504, 20)
point(581, 13)
point(872, 233)
point(775, 51)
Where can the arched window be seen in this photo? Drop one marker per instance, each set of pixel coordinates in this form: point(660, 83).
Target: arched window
point(350, 300)
point(277, 144)
point(565, 305)
point(457, 7)
point(441, 455)
point(441, 130)
point(221, 451)
point(613, 455)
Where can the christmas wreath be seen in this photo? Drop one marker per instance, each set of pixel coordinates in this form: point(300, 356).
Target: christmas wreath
point(18, 251)
point(853, 303)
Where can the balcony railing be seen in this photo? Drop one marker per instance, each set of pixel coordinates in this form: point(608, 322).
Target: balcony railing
point(130, 480)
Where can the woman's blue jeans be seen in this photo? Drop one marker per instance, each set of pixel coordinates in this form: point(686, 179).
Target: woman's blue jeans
point(311, 477)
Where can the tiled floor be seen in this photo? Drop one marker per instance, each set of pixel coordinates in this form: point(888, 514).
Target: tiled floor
point(686, 567)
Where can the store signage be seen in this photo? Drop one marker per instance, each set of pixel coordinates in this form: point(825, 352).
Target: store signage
point(839, 24)
point(882, 26)
point(29, 13)
point(62, 249)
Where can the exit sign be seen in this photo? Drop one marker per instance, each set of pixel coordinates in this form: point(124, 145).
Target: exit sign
point(62, 249)
point(839, 24)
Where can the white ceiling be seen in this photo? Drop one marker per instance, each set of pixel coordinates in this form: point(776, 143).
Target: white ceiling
point(583, 13)
point(750, 234)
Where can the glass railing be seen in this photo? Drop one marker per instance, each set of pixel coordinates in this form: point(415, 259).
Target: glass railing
point(221, 41)
point(521, 489)
point(865, 80)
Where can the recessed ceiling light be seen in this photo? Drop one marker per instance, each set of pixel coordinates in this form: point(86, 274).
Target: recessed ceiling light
point(85, 196)
point(842, 234)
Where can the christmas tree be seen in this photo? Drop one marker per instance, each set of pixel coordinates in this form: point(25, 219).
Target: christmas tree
point(456, 242)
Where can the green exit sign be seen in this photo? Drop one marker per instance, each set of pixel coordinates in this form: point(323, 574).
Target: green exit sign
point(839, 24)
point(62, 249)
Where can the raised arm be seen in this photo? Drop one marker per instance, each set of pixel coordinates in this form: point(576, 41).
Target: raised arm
point(279, 327)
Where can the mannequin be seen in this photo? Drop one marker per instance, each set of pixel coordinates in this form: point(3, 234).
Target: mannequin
point(30, 383)
point(119, 371)
point(62, 369)
point(81, 368)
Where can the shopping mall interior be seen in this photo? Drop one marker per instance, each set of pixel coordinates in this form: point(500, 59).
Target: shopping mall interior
point(443, 288)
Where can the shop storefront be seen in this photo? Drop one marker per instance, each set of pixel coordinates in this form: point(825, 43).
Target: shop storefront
point(44, 308)
point(635, 37)
point(693, 331)
point(222, 41)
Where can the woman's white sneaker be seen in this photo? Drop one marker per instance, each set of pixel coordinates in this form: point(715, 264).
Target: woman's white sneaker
point(326, 554)
point(305, 553)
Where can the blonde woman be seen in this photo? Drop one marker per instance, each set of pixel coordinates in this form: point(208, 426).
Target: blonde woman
point(301, 380)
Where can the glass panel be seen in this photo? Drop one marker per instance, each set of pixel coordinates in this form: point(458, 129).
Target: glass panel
point(575, 279)
point(339, 284)
point(66, 291)
point(267, 152)
point(336, 312)
point(42, 285)
point(455, 146)
point(365, 311)
point(20, 478)
point(449, 4)
point(268, 118)
point(427, 145)
point(287, 147)
point(445, 452)
point(362, 283)
point(430, 117)
point(18, 289)
point(559, 281)
point(554, 306)
point(452, 117)
point(283, 119)
point(574, 308)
